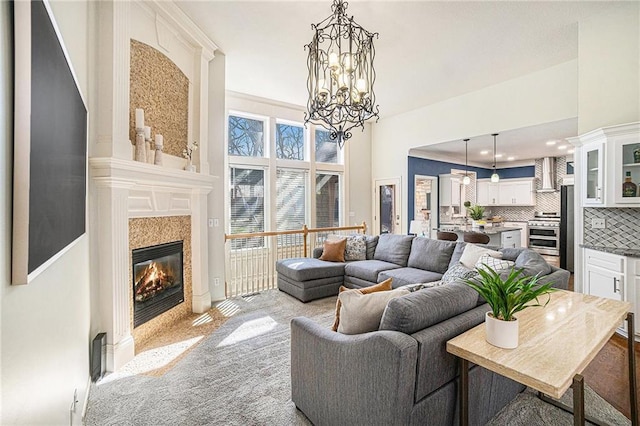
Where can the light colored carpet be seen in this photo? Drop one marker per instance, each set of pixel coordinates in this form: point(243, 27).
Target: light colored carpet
point(239, 375)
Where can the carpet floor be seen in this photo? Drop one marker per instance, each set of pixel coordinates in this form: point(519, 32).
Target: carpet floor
point(239, 375)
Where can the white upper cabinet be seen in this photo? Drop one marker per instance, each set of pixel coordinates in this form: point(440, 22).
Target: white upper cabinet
point(450, 190)
point(607, 157)
point(507, 192)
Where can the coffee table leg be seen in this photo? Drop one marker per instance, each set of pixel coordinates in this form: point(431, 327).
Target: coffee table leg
point(633, 396)
point(464, 392)
point(578, 400)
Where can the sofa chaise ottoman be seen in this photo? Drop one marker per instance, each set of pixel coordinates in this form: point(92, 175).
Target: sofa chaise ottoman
point(308, 279)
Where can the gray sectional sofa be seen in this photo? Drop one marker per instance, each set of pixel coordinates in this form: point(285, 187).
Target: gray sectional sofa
point(401, 374)
point(406, 259)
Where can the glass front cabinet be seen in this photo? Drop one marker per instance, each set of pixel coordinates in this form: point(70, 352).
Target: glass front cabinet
point(609, 172)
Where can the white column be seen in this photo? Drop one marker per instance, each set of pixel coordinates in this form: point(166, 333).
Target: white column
point(199, 252)
point(114, 260)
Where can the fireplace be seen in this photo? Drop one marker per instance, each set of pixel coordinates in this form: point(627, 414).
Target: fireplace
point(158, 280)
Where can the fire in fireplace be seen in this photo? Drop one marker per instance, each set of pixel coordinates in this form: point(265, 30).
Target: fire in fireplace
point(157, 280)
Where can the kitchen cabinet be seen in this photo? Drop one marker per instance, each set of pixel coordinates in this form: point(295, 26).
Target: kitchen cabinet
point(450, 191)
point(606, 155)
point(614, 277)
point(507, 192)
point(524, 234)
point(510, 239)
point(486, 193)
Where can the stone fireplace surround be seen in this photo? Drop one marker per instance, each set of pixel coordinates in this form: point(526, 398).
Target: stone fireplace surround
point(125, 189)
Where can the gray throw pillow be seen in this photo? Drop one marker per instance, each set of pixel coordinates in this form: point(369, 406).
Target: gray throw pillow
point(532, 263)
point(457, 273)
point(431, 255)
point(393, 248)
point(371, 242)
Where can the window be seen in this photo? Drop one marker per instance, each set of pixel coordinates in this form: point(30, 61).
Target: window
point(289, 142)
point(291, 199)
point(246, 137)
point(326, 148)
point(327, 200)
point(247, 205)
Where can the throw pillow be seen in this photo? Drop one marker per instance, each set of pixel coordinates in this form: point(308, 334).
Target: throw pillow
point(497, 265)
point(532, 263)
point(334, 250)
point(472, 253)
point(361, 313)
point(356, 248)
point(385, 285)
point(457, 273)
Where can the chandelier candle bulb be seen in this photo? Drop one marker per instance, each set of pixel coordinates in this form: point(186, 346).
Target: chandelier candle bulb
point(333, 60)
point(361, 85)
point(139, 118)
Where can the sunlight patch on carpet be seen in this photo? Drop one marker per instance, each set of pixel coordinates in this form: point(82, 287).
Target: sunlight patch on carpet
point(153, 359)
point(228, 308)
point(249, 330)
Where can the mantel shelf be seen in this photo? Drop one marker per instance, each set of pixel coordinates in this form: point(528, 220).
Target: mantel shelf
point(138, 173)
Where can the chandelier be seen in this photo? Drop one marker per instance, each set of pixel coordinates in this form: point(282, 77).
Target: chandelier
point(341, 75)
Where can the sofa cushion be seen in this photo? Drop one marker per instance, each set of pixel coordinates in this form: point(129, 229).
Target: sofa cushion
point(383, 286)
point(457, 253)
point(511, 253)
point(361, 313)
point(334, 250)
point(368, 270)
point(472, 253)
point(404, 276)
point(371, 243)
point(305, 269)
point(424, 308)
point(431, 255)
point(393, 248)
point(457, 273)
point(532, 263)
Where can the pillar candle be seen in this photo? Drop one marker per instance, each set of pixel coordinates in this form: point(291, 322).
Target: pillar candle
point(159, 140)
point(139, 118)
point(147, 133)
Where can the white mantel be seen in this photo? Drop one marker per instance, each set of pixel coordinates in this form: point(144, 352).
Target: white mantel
point(128, 189)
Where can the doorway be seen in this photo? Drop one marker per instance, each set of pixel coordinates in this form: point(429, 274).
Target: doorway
point(387, 215)
point(425, 203)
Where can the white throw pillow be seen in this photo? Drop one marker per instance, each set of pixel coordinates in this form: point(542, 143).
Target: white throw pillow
point(497, 265)
point(361, 313)
point(472, 253)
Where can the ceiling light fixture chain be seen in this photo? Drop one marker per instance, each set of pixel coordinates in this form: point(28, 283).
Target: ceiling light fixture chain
point(494, 177)
point(341, 75)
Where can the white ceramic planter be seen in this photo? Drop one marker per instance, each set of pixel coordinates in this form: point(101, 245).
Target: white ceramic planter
point(503, 334)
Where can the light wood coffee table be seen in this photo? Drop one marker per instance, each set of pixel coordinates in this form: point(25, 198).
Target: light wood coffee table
point(556, 343)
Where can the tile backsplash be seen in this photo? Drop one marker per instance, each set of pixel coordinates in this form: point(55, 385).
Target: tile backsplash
point(622, 227)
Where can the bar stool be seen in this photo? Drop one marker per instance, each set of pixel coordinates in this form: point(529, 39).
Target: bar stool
point(447, 236)
point(476, 237)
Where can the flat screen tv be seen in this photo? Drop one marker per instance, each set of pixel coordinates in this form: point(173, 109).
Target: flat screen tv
point(50, 145)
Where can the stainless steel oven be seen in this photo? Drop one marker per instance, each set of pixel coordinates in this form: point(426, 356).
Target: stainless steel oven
point(544, 235)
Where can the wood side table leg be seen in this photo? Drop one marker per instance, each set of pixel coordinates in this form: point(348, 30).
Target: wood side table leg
point(578, 400)
point(633, 393)
point(464, 392)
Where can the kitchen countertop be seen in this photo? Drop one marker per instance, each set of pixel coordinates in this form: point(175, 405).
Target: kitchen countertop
point(614, 250)
point(489, 231)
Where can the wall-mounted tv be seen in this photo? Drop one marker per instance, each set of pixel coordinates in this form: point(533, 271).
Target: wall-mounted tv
point(50, 145)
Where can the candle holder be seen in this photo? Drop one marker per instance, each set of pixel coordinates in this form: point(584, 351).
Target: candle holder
point(158, 157)
point(141, 149)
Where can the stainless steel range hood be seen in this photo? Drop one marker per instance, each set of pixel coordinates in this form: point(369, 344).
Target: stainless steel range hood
point(548, 175)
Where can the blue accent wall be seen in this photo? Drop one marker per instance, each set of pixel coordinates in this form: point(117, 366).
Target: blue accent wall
point(423, 166)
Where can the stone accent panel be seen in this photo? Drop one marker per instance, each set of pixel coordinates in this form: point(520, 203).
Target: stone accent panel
point(159, 87)
point(149, 231)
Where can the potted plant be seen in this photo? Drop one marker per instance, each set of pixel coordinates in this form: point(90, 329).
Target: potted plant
point(506, 297)
point(476, 212)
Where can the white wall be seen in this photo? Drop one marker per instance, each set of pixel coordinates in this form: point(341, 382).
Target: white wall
point(358, 172)
point(540, 97)
point(45, 324)
point(609, 72)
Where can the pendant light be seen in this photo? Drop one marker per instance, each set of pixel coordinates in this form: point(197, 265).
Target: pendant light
point(466, 180)
point(494, 177)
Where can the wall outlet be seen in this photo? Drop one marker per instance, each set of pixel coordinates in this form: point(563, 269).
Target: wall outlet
point(210, 223)
point(598, 223)
point(216, 282)
point(216, 222)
